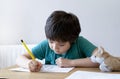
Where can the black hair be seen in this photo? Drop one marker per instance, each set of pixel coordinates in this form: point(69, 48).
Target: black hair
point(62, 26)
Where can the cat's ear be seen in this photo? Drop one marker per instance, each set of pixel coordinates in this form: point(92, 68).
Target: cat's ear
point(100, 50)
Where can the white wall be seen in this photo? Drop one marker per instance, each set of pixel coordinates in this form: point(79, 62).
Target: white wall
point(25, 19)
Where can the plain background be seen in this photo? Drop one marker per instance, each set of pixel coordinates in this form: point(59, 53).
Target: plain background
point(25, 19)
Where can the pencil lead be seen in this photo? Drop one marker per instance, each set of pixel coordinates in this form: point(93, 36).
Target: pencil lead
point(21, 40)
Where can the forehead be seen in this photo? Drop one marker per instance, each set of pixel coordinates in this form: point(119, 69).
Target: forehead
point(57, 41)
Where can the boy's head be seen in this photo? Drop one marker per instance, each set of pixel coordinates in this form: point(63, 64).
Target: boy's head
point(62, 26)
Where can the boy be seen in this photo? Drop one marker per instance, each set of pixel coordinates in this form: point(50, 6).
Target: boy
point(63, 47)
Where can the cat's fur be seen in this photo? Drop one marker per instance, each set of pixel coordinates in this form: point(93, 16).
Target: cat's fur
point(107, 62)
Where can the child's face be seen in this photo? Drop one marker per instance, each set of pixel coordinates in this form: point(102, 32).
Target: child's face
point(59, 47)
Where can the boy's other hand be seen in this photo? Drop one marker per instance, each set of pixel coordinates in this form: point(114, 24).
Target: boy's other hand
point(62, 62)
point(34, 66)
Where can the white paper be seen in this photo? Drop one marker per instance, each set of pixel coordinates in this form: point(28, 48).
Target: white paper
point(3, 77)
point(46, 68)
point(92, 75)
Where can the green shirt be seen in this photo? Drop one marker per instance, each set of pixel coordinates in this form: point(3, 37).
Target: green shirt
point(81, 48)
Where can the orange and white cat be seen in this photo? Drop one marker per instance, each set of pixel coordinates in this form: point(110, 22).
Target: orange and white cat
point(107, 62)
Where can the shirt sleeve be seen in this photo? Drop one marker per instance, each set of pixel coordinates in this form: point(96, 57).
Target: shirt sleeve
point(40, 49)
point(86, 47)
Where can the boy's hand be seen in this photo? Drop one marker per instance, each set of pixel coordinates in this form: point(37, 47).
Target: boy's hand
point(62, 62)
point(34, 66)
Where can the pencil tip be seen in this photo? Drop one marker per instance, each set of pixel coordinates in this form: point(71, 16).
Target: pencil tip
point(21, 40)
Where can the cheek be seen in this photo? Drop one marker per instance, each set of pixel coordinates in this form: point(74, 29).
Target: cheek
point(66, 48)
point(50, 45)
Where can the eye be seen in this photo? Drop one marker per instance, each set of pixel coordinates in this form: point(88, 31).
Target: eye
point(51, 41)
point(61, 45)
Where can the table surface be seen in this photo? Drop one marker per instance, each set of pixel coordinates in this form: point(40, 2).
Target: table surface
point(40, 75)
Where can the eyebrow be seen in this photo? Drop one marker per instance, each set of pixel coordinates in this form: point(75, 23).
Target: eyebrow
point(57, 41)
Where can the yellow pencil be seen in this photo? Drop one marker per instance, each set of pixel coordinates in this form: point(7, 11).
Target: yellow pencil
point(30, 53)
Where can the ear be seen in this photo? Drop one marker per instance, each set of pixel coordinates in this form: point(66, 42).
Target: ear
point(100, 50)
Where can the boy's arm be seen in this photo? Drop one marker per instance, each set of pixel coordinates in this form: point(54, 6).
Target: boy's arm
point(85, 62)
point(23, 60)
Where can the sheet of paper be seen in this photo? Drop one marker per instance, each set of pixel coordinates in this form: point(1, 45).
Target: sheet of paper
point(3, 77)
point(92, 75)
point(46, 68)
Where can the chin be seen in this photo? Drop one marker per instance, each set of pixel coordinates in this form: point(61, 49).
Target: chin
point(58, 52)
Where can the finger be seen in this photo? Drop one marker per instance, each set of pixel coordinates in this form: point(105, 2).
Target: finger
point(31, 69)
point(35, 63)
point(58, 59)
point(38, 66)
point(31, 63)
point(33, 66)
point(34, 69)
